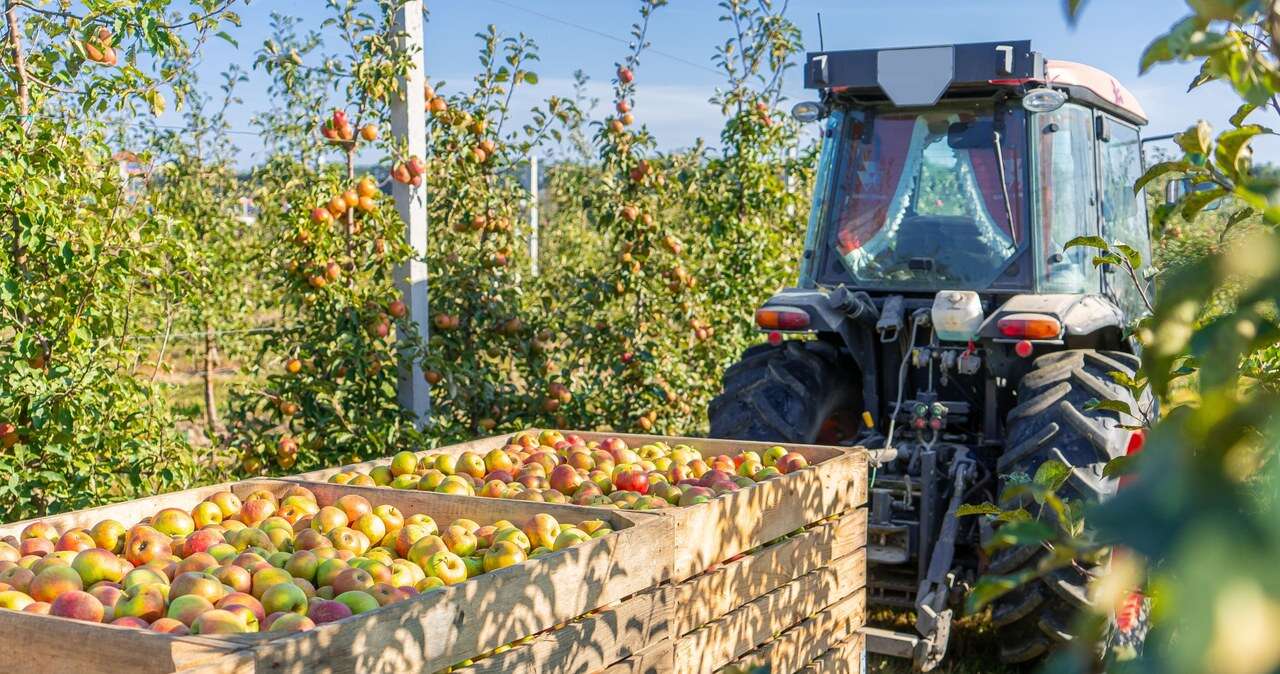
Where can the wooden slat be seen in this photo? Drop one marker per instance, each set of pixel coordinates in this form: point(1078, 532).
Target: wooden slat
point(657, 659)
point(709, 596)
point(45, 644)
point(743, 629)
point(591, 644)
point(798, 646)
point(849, 657)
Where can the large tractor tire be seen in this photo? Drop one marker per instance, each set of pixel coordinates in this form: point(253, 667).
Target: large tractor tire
point(1050, 422)
point(782, 393)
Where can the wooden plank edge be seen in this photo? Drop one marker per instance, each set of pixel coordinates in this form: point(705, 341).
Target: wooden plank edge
point(593, 643)
point(712, 646)
point(849, 657)
point(715, 593)
point(809, 639)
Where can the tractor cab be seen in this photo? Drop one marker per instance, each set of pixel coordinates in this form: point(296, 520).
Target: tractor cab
point(940, 318)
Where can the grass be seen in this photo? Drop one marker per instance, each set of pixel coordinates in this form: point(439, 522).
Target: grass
point(973, 648)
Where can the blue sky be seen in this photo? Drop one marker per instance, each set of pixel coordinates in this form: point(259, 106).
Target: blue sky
point(677, 78)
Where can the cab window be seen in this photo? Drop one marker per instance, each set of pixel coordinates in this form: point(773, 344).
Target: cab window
point(1124, 213)
point(1066, 192)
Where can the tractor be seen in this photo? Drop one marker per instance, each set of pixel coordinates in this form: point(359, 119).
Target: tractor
point(941, 319)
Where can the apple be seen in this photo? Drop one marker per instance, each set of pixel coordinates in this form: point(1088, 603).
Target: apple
point(352, 579)
point(326, 611)
point(39, 607)
point(187, 608)
point(791, 462)
point(78, 605)
point(503, 554)
point(286, 597)
point(54, 581)
point(457, 485)
point(39, 530)
point(173, 522)
point(143, 576)
point(130, 621)
point(459, 541)
point(470, 463)
point(199, 561)
point(565, 479)
point(197, 583)
point(515, 536)
point(354, 505)
point(243, 599)
point(17, 578)
point(329, 518)
point(220, 621)
point(497, 459)
point(168, 626)
point(144, 544)
point(371, 526)
point(357, 601)
point(202, 541)
point(404, 463)
point(431, 479)
point(74, 540)
point(96, 564)
point(447, 464)
point(267, 578)
point(235, 577)
point(146, 601)
point(15, 600)
point(291, 622)
point(632, 479)
point(328, 570)
point(446, 566)
point(568, 538)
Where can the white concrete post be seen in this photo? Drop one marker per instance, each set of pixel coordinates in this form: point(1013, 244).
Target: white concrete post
point(409, 126)
point(533, 213)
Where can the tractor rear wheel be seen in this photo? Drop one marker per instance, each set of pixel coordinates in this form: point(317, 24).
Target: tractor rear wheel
point(1050, 422)
point(783, 393)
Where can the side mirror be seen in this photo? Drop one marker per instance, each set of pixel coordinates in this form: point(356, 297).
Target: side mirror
point(1173, 192)
point(808, 111)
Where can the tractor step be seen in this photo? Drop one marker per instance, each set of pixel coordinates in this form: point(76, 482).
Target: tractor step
point(893, 644)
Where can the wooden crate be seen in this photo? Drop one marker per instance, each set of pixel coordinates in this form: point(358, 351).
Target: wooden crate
point(426, 633)
point(724, 527)
point(808, 587)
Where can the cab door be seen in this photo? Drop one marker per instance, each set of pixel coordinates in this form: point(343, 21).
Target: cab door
point(1123, 213)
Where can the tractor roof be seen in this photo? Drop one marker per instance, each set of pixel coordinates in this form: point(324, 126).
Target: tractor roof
point(920, 76)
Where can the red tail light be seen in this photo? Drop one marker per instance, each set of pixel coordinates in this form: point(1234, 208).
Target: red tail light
point(782, 318)
point(1136, 441)
point(1029, 326)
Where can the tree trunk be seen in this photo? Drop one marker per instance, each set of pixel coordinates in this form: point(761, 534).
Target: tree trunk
point(210, 401)
point(19, 59)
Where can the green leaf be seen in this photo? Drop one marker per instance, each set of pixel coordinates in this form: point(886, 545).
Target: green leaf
point(1052, 474)
point(1233, 154)
point(1158, 170)
point(989, 589)
point(1197, 139)
point(1244, 111)
point(1130, 254)
point(1030, 532)
point(1121, 465)
point(531, 78)
point(1118, 406)
point(1195, 202)
point(1090, 241)
point(968, 509)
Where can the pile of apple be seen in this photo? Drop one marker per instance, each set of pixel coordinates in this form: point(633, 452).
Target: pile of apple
point(556, 468)
point(265, 563)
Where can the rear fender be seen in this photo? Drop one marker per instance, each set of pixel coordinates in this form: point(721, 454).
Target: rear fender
point(848, 314)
